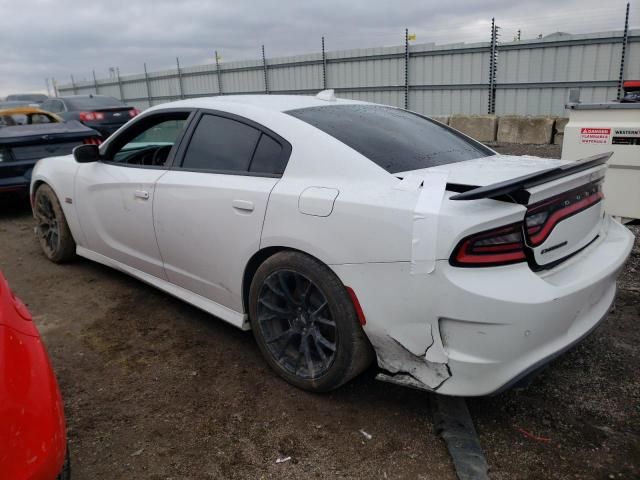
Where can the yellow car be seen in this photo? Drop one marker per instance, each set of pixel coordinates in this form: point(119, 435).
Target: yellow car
point(10, 117)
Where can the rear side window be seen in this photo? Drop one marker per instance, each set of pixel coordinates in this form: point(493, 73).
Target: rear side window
point(222, 144)
point(268, 157)
point(394, 139)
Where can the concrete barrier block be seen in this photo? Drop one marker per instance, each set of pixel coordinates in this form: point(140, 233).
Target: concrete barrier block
point(561, 122)
point(558, 138)
point(440, 118)
point(528, 130)
point(481, 127)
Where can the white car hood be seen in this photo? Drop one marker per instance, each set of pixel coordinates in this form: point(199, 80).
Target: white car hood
point(495, 168)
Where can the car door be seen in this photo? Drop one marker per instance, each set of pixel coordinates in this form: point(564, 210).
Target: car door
point(114, 196)
point(210, 207)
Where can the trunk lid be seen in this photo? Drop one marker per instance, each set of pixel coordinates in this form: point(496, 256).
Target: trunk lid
point(114, 114)
point(564, 203)
point(32, 142)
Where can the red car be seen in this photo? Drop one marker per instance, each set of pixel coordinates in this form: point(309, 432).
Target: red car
point(33, 443)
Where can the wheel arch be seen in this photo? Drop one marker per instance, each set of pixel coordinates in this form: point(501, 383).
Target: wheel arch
point(67, 208)
point(35, 185)
point(258, 259)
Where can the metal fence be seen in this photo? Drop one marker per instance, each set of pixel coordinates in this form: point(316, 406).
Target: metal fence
point(525, 77)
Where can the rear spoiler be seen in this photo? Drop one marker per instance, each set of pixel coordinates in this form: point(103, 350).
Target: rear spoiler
point(516, 187)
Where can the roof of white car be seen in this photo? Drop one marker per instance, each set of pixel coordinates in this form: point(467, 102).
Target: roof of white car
point(279, 103)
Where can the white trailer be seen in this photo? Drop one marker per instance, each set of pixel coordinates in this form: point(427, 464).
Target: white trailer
point(609, 127)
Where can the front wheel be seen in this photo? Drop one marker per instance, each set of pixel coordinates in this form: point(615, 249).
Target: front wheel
point(51, 226)
point(305, 323)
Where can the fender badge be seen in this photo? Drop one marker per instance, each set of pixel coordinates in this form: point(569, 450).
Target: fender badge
point(70, 201)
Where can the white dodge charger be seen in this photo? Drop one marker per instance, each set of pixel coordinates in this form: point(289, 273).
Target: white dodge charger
point(342, 231)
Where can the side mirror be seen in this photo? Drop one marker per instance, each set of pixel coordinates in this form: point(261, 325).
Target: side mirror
point(86, 153)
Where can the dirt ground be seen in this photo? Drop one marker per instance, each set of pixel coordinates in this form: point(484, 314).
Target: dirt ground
point(156, 389)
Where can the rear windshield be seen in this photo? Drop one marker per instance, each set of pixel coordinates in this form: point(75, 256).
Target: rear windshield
point(394, 139)
point(88, 103)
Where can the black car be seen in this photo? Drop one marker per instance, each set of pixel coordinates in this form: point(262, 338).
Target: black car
point(21, 146)
point(102, 113)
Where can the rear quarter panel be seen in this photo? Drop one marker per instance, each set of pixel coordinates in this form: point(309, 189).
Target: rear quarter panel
point(370, 220)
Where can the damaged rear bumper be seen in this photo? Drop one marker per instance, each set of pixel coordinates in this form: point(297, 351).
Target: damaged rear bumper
point(473, 332)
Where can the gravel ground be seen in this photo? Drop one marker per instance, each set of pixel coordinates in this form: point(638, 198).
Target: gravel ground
point(156, 389)
point(545, 151)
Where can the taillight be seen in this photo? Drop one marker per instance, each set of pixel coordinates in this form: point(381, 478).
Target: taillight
point(544, 216)
point(92, 141)
point(506, 245)
point(498, 246)
point(91, 116)
point(133, 112)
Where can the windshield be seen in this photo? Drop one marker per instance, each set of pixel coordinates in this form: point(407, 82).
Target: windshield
point(88, 103)
point(394, 139)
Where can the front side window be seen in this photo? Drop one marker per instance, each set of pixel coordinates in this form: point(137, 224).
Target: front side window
point(149, 142)
point(221, 144)
point(394, 139)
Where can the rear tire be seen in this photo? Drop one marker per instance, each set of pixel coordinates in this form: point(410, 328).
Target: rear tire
point(305, 323)
point(52, 230)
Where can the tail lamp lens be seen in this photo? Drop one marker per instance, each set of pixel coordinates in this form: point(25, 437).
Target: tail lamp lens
point(498, 246)
point(91, 116)
point(92, 141)
point(134, 112)
point(506, 245)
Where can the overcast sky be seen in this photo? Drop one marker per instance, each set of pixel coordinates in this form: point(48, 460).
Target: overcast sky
point(57, 38)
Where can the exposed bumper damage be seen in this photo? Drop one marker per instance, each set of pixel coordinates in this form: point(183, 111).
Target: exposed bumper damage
point(403, 365)
point(471, 332)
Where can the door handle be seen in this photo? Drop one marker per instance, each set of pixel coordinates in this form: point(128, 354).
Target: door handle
point(142, 194)
point(244, 205)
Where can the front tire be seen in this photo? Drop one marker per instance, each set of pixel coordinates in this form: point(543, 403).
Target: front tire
point(52, 230)
point(305, 323)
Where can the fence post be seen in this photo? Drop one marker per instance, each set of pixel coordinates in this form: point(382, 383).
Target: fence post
point(493, 66)
point(146, 80)
point(324, 67)
point(218, 75)
point(625, 40)
point(179, 78)
point(73, 85)
point(264, 67)
point(95, 82)
point(119, 83)
point(406, 69)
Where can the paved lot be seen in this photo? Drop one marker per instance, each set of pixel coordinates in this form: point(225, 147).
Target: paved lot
point(156, 389)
